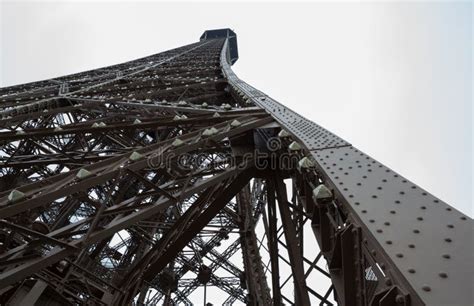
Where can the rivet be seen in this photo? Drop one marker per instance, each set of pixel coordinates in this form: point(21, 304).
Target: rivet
point(400, 299)
point(443, 275)
point(399, 255)
point(411, 246)
point(389, 242)
point(448, 240)
point(447, 256)
point(387, 223)
point(416, 231)
point(426, 288)
point(411, 270)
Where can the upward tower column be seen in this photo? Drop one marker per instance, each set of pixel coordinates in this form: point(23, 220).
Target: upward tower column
point(152, 181)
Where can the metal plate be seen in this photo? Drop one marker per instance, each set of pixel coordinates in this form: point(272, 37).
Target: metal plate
point(312, 135)
point(428, 241)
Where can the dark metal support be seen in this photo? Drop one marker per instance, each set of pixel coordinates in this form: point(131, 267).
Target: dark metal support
point(294, 249)
point(271, 229)
point(255, 277)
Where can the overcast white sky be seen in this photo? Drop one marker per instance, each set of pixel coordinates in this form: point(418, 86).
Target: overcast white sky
point(393, 78)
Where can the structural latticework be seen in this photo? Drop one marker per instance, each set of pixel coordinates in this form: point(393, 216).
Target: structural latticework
point(148, 182)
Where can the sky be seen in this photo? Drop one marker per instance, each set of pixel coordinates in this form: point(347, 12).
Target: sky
point(392, 78)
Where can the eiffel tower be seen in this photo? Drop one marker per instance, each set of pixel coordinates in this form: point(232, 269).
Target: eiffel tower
point(167, 180)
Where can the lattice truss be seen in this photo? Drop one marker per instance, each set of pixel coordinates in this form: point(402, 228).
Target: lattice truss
point(136, 183)
point(168, 180)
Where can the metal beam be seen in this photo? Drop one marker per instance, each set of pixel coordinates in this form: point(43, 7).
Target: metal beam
point(294, 249)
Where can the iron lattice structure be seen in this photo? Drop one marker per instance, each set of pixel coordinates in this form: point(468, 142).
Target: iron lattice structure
point(141, 182)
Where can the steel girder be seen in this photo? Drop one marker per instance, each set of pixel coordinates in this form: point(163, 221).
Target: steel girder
point(123, 185)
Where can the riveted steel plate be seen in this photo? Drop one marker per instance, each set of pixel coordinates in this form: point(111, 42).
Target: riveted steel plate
point(311, 135)
point(428, 241)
